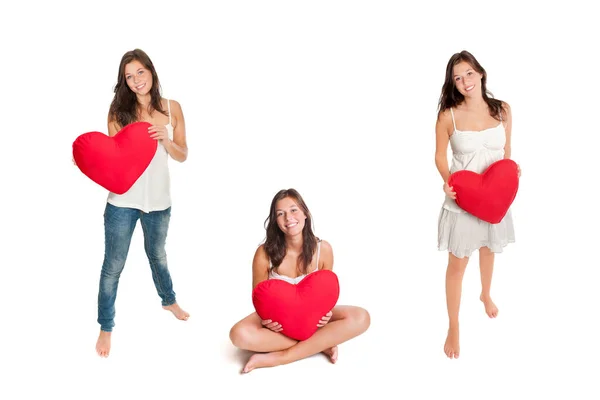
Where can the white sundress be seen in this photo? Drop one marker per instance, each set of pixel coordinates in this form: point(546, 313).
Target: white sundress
point(462, 233)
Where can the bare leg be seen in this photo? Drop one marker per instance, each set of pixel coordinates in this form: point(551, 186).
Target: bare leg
point(454, 277)
point(346, 323)
point(103, 344)
point(249, 334)
point(486, 268)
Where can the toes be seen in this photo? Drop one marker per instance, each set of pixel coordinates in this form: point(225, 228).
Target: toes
point(247, 368)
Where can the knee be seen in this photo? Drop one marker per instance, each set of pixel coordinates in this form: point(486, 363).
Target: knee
point(156, 254)
point(456, 268)
point(241, 336)
point(361, 319)
point(112, 268)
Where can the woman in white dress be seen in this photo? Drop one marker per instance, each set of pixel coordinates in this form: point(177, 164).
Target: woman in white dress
point(478, 129)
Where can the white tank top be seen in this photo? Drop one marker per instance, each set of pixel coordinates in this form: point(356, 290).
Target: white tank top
point(474, 151)
point(289, 279)
point(152, 191)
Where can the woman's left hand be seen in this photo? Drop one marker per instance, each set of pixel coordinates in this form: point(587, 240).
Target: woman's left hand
point(325, 320)
point(158, 132)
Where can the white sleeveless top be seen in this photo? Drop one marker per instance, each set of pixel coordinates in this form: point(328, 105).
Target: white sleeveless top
point(296, 280)
point(152, 191)
point(474, 151)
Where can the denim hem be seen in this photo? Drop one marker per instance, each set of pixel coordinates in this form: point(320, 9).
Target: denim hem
point(166, 303)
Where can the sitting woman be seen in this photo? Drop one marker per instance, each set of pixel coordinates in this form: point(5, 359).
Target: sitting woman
point(291, 251)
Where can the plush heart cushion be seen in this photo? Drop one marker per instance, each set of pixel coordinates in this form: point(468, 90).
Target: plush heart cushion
point(298, 308)
point(116, 162)
point(489, 195)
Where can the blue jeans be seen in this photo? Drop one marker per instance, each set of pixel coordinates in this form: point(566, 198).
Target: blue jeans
point(119, 223)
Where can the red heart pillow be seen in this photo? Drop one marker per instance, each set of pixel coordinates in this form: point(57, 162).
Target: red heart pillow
point(115, 162)
point(489, 195)
point(298, 308)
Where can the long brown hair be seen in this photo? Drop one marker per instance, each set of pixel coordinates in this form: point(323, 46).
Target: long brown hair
point(275, 240)
point(451, 97)
point(124, 106)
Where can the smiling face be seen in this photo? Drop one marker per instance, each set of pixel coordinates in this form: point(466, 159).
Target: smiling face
point(467, 80)
point(138, 78)
point(290, 217)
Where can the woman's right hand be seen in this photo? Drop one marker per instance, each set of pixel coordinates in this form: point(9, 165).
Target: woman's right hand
point(274, 326)
point(449, 191)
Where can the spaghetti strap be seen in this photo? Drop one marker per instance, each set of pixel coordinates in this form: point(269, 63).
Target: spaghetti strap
point(318, 253)
point(169, 108)
point(453, 122)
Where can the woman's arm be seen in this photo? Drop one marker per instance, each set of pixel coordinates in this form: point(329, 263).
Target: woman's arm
point(326, 257)
point(441, 145)
point(260, 266)
point(177, 148)
point(113, 126)
point(508, 130)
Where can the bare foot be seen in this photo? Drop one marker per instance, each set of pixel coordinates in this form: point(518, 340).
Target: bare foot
point(452, 346)
point(490, 308)
point(103, 344)
point(177, 311)
point(262, 360)
point(332, 353)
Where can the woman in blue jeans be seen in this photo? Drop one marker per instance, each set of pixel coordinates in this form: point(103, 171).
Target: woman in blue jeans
point(137, 98)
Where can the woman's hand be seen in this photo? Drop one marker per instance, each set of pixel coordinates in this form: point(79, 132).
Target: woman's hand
point(448, 190)
point(325, 319)
point(159, 132)
point(518, 170)
point(274, 326)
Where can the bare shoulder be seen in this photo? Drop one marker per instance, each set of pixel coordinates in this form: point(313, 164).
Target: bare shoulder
point(113, 125)
point(326, 258)
point(176, 113)
point(175, 106)
point(445, 116)
point(261, 253)
point(261, 259)
point(326, 247)
point(507, 109)
point(260, 266)
point(444, 122)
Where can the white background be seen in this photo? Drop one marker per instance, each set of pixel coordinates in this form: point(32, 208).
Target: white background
point(338, 100)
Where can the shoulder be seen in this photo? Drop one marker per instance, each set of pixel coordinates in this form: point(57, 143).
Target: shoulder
point(506, 112)
point(174, 104)
point(444, 122)
point(326, 247)
point(260, 256)
point(324, 243)
point(506, 108)
point(113, 125)
point(261, 252)
point(111, 117)
point(326, 258)
point(445, 117)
